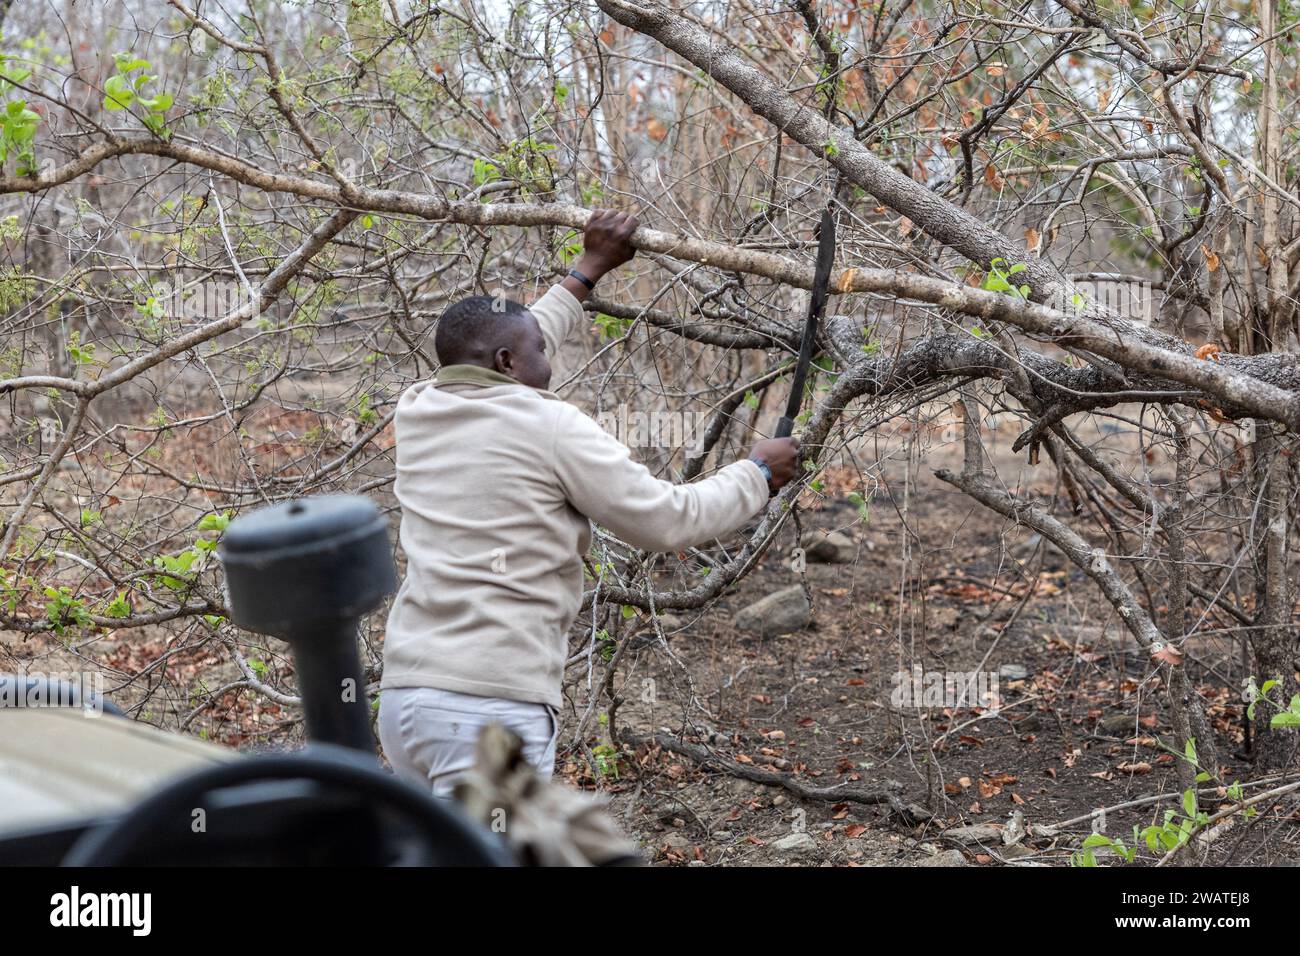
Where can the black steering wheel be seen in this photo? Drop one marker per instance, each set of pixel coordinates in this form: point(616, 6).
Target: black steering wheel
point(445, 836)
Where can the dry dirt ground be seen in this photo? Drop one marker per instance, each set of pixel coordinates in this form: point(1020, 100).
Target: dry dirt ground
point(935, 582)
point(1083, 722)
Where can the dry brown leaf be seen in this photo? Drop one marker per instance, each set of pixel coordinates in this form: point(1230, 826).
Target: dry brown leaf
point(1169, 654)
point(1139, 767)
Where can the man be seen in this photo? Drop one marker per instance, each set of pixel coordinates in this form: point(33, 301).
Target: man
point(499, 480)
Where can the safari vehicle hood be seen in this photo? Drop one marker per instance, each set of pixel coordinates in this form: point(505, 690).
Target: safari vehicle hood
point(58, 765)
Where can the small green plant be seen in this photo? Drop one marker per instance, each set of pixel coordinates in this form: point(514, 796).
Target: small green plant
point(215, 522)
point(485, 171)
point(1175, 828)
point(999, 279)
point(122, 91)
point(179, 571)
point(18, 135)
point(570, 247)
point(606, 760)
point(17, 122)
point(610, 327)
point(176, 573)
point(864, 510)
point(118, 607)
point(80, 354)
point(62, 610)
point(524, 161)
point(1286, 716)
point(1098, 842)
point(366, 415)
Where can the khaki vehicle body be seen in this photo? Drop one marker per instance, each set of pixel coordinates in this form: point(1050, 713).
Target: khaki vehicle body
point(61, 766)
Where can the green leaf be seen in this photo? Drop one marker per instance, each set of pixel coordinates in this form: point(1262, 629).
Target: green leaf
point(157, 104)
point(1152, 837)
point(118, 94)
point(215, 522)
point(118, 607)
point(126, 63)
point(485, 172)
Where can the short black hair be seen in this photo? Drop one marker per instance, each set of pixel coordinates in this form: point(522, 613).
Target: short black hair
point(472, 329)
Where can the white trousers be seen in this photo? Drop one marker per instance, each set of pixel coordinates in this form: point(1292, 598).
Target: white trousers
point(429, 735)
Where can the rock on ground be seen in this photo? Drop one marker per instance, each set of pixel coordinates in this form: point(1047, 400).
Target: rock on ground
point(781, 612)
point(976, 833)
point(796, 844)
point(1013, 672)
point(944, 858)
point(828, 547)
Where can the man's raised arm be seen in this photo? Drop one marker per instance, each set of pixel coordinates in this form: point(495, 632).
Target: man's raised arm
point(605, 246)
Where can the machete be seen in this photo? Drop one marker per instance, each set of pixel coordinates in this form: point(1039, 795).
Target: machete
point(816, 306)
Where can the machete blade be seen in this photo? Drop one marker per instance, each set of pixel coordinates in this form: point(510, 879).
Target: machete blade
point(816, 306)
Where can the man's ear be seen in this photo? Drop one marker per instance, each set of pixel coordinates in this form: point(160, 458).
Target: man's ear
point(503, 360)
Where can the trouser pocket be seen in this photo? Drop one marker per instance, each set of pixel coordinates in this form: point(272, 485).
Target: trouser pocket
point(438, 733)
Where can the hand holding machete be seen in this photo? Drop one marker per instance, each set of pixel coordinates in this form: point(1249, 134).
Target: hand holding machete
point(781, 454)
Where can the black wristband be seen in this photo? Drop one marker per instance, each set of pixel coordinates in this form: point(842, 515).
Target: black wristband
point(583, 279)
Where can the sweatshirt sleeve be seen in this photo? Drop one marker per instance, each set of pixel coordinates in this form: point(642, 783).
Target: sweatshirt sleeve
point(600, 479)
point(557, 312)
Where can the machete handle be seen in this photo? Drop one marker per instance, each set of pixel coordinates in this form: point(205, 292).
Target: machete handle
point(784, 427)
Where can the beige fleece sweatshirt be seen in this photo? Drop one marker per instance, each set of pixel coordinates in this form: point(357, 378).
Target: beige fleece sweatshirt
point(498, 484)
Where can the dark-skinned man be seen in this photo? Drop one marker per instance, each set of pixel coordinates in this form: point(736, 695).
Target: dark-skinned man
point(499, 481)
